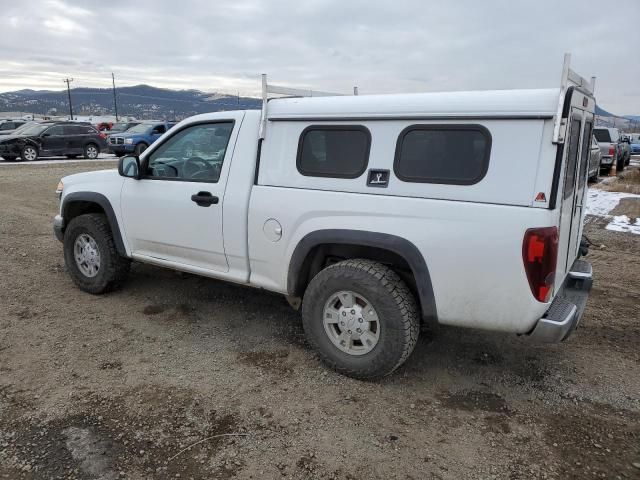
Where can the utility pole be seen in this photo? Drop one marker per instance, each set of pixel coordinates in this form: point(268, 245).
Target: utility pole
point(68, 81)
point(115, 101)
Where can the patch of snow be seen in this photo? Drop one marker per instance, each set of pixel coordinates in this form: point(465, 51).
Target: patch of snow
point(622, 223)
point(601, 202)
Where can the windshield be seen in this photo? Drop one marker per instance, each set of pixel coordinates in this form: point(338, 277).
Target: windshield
point(142, 128)
point(120, 127)
point(34, 129)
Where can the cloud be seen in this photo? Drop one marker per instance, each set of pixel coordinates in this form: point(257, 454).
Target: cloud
point(405, 45)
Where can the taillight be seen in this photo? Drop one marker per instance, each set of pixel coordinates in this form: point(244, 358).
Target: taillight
point(540, 255)
point(612, 151)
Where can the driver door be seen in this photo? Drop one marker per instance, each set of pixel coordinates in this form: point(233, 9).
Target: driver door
point(174, 212)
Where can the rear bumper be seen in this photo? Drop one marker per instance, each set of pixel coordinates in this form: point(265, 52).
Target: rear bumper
point(566, 310)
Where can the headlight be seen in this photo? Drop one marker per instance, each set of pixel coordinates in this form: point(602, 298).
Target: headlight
point(59, 189)
point(128, 141)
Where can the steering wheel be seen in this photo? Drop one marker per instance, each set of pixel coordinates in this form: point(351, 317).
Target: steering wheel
point(193, 166)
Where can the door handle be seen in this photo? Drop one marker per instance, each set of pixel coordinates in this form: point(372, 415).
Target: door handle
point(204, 199)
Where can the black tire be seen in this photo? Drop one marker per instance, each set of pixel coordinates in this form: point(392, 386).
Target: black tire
point(620, 165)
point(71, 156)
point(91, 151)
point(141, 147)
point(113, 268)
point(26, 152)
point(9, 158)
point(393, 302)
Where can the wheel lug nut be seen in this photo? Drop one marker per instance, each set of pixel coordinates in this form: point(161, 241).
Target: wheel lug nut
point(342, 323)
point(359, 330)
point(360, 320)
point(353, 312)
point(348, 331)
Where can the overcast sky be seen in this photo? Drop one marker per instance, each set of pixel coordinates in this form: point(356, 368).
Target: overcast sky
point(383, 47)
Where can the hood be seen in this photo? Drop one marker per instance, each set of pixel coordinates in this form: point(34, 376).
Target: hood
point(9, 137)
point(98, 176)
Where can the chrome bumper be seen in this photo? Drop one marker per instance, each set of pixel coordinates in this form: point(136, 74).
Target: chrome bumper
point(566, 310)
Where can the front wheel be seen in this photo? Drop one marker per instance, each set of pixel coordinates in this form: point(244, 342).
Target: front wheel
point(361, 318)
point(91, 151)
point(91, 256)
point(29, 153)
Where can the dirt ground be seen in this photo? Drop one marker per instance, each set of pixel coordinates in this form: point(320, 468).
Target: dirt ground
point(176, 376)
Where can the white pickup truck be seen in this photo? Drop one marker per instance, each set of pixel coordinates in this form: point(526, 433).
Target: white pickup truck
point(377, 214)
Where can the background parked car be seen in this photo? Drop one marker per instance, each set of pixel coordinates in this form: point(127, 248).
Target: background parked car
point(138, 138)
point(610, 147)
point(594, 159)
point(634, 144)
point(53, 139)
point(7, 127)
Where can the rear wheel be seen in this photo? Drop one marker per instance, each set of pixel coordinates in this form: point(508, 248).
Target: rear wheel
point(620, 164)
point(361, 318)
point(29, 153)
point(91, 151)
point(91, 256)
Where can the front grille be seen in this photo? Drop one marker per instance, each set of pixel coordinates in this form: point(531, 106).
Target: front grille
point(116, 141)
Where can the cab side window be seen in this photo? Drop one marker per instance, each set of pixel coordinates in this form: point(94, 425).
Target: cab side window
point(195, 153)
point(158, 130)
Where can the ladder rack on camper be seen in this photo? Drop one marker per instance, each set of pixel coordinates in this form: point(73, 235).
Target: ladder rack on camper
point(288, 92)
point(569, 79)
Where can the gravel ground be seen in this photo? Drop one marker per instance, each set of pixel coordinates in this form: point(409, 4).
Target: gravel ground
point(176, 376)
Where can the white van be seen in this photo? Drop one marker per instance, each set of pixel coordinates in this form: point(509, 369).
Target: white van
point(377, 214)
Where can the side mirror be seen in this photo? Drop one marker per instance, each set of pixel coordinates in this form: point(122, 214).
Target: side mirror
point(46, 135)
point(129, 166)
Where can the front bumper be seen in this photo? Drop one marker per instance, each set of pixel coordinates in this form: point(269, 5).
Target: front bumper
point(58, 227)
point(566, 310)
point(122, 149)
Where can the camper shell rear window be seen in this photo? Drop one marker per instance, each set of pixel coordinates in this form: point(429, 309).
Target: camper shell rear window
point(445, 154)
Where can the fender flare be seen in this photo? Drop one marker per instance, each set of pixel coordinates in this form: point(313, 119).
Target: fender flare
point(393, 243)
point(105, 204)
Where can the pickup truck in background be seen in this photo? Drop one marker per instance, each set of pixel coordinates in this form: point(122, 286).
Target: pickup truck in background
point(611, 147)
point(331, 201)
point(137, 138)
point(634, 143)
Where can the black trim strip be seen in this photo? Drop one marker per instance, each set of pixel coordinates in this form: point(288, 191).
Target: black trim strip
point(296, 278)
point(103, 202)
point(412, 118)
point(560, 152)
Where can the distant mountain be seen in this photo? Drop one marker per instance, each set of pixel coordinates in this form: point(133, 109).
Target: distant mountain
point(603, 112)
point(140, 101)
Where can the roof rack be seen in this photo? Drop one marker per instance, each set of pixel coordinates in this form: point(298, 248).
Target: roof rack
point(288, 92)
point(569, 79)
